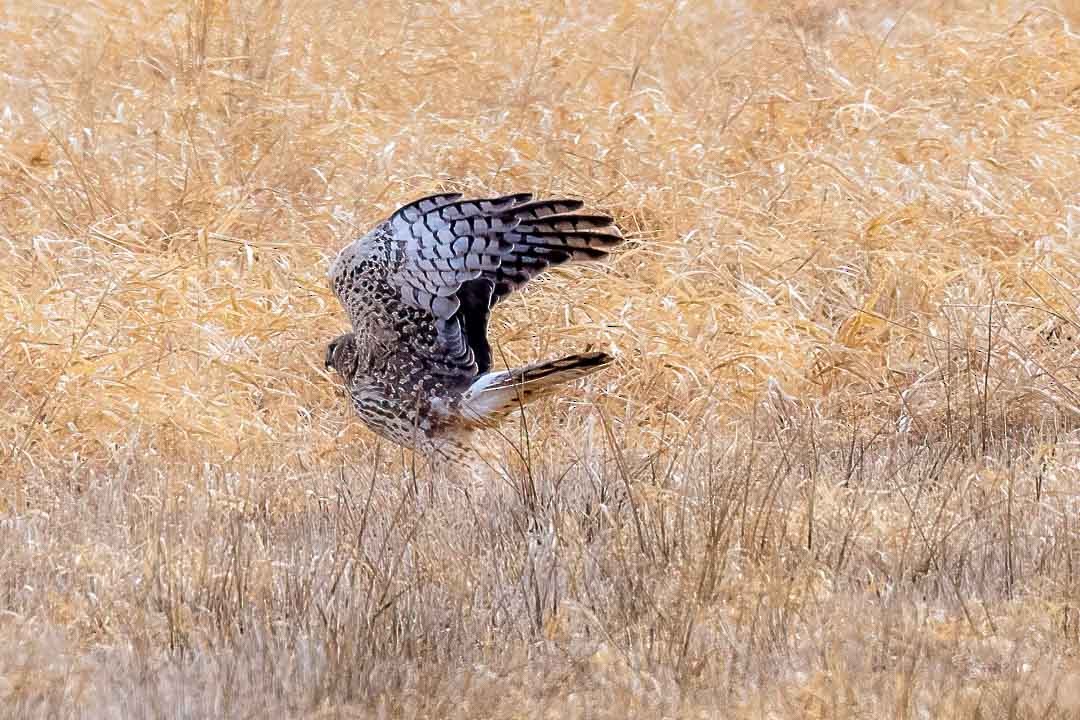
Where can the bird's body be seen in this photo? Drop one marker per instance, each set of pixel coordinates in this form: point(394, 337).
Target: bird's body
point(418, 289)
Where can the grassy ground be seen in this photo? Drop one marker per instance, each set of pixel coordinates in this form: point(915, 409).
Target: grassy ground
point(836, 472)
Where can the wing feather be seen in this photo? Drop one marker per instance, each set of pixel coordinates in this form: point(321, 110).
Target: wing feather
point(508, 240)
point(425, 204)
point(431, 248)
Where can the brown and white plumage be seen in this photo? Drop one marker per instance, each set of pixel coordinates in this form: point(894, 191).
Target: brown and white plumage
point(418, 290)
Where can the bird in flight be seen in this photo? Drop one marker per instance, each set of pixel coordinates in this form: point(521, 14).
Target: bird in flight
point(418, 290)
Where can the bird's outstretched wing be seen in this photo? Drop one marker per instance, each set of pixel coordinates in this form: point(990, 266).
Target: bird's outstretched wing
point(445, 242)
point(453, 259)
point(461, 257)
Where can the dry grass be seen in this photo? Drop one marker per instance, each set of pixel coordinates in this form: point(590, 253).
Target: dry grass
point(837, 471)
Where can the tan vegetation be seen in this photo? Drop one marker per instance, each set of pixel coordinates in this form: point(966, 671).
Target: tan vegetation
point(836, 472)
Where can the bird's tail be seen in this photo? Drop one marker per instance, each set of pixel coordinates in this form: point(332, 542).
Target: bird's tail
point(496, 394)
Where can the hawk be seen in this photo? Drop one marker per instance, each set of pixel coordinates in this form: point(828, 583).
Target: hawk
point(418, 290)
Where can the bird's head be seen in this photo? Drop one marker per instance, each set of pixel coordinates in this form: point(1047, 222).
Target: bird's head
point(341, 355)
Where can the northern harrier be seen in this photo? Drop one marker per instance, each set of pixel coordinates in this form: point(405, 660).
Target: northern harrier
point(418, 290)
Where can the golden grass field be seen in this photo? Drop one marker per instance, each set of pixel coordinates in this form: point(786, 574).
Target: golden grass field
point(835, 472)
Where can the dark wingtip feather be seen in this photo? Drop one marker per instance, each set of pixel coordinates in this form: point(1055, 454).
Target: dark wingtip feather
point(418, 207)
point(545, 208)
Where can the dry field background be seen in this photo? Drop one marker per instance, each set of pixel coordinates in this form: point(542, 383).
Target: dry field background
point(836, 472)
